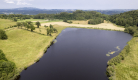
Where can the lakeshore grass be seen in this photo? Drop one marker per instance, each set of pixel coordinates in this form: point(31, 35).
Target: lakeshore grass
point(128, 68)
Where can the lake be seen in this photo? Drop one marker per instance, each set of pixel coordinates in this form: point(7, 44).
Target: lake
point(78, 54)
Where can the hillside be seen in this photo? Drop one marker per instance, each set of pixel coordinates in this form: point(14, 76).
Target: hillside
point(34, 11)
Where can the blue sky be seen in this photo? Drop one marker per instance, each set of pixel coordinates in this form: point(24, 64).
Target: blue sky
point(70, 4)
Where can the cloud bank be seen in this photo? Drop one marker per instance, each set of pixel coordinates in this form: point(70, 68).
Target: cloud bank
point(18, 2)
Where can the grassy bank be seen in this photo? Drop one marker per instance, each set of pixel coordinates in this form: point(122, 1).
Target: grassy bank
point(125, 65)
point(128, 68)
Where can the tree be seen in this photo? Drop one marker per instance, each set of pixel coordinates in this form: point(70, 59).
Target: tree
point(49, 31)
point(14, 19)
point(3, 35)
point(18, 24)
point(32, 27)
point(2, 56)
point(38, 24)
point(29, 22)
point(24, 24)
point(45, 26)
point(51, 26)
point(65, 20)
point(55, 30)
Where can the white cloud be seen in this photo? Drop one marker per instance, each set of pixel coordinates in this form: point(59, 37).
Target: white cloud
point(23, 3)
point(9, 1)
point(18, 2)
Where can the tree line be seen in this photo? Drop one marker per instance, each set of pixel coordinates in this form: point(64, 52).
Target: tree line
point(96, 21)
point(76, 15)
point(29, 25)
point(129, 20)
point(125, 19)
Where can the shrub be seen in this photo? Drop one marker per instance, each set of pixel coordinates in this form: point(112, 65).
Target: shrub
point(135, 34)
point(7, 70)
point(69, 22)
point(96, 21)
point(132, 30)
point(65, 20)
point(114, 61)
point(55, 30)
point(2, 56)
point(51, 26)
point(3, 35)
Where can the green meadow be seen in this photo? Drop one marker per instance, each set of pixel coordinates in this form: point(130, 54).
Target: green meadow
point(5, 23)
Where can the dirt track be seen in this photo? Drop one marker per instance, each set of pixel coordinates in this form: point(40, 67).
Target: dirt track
point(102, 25)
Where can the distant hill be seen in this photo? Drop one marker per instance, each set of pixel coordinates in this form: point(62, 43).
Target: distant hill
point(34, 11)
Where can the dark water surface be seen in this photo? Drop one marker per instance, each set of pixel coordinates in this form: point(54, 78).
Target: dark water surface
point(79, 54)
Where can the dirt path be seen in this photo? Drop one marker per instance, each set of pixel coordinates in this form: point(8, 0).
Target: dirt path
point(102, 25)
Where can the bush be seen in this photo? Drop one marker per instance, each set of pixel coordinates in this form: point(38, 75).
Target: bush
point(51, 26)
point(132, 30)
point(3, 35)
point(65, 20)
point(135, 34)
point(55, 30)
point(2, 56)
point(15, 25)
point(7, 70)
point(114, 61)
point(96, 21)
point(69, 22)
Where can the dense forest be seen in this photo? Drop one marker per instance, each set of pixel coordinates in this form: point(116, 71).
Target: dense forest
point(77, 15)
point(125, 19)
point(129, 20)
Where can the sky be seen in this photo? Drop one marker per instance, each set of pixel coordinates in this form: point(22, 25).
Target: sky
point(70, 4)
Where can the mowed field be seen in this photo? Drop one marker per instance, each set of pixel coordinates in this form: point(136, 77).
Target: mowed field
point(128, 68)
point(5, 23)
point(40, 20)
point(24, 47)
point(79, 21)
point(104, 25)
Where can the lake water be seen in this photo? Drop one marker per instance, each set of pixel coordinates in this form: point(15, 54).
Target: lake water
point(78, 54)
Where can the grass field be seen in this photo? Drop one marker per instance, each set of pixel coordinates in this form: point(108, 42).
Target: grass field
point(79, 22)
point(30, 20)
point(25, 47)
point(102, 25)
point(5, 23)
point(128, 68)
point(40, 20)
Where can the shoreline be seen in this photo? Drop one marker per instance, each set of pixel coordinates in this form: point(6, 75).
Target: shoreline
point(113, 62)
